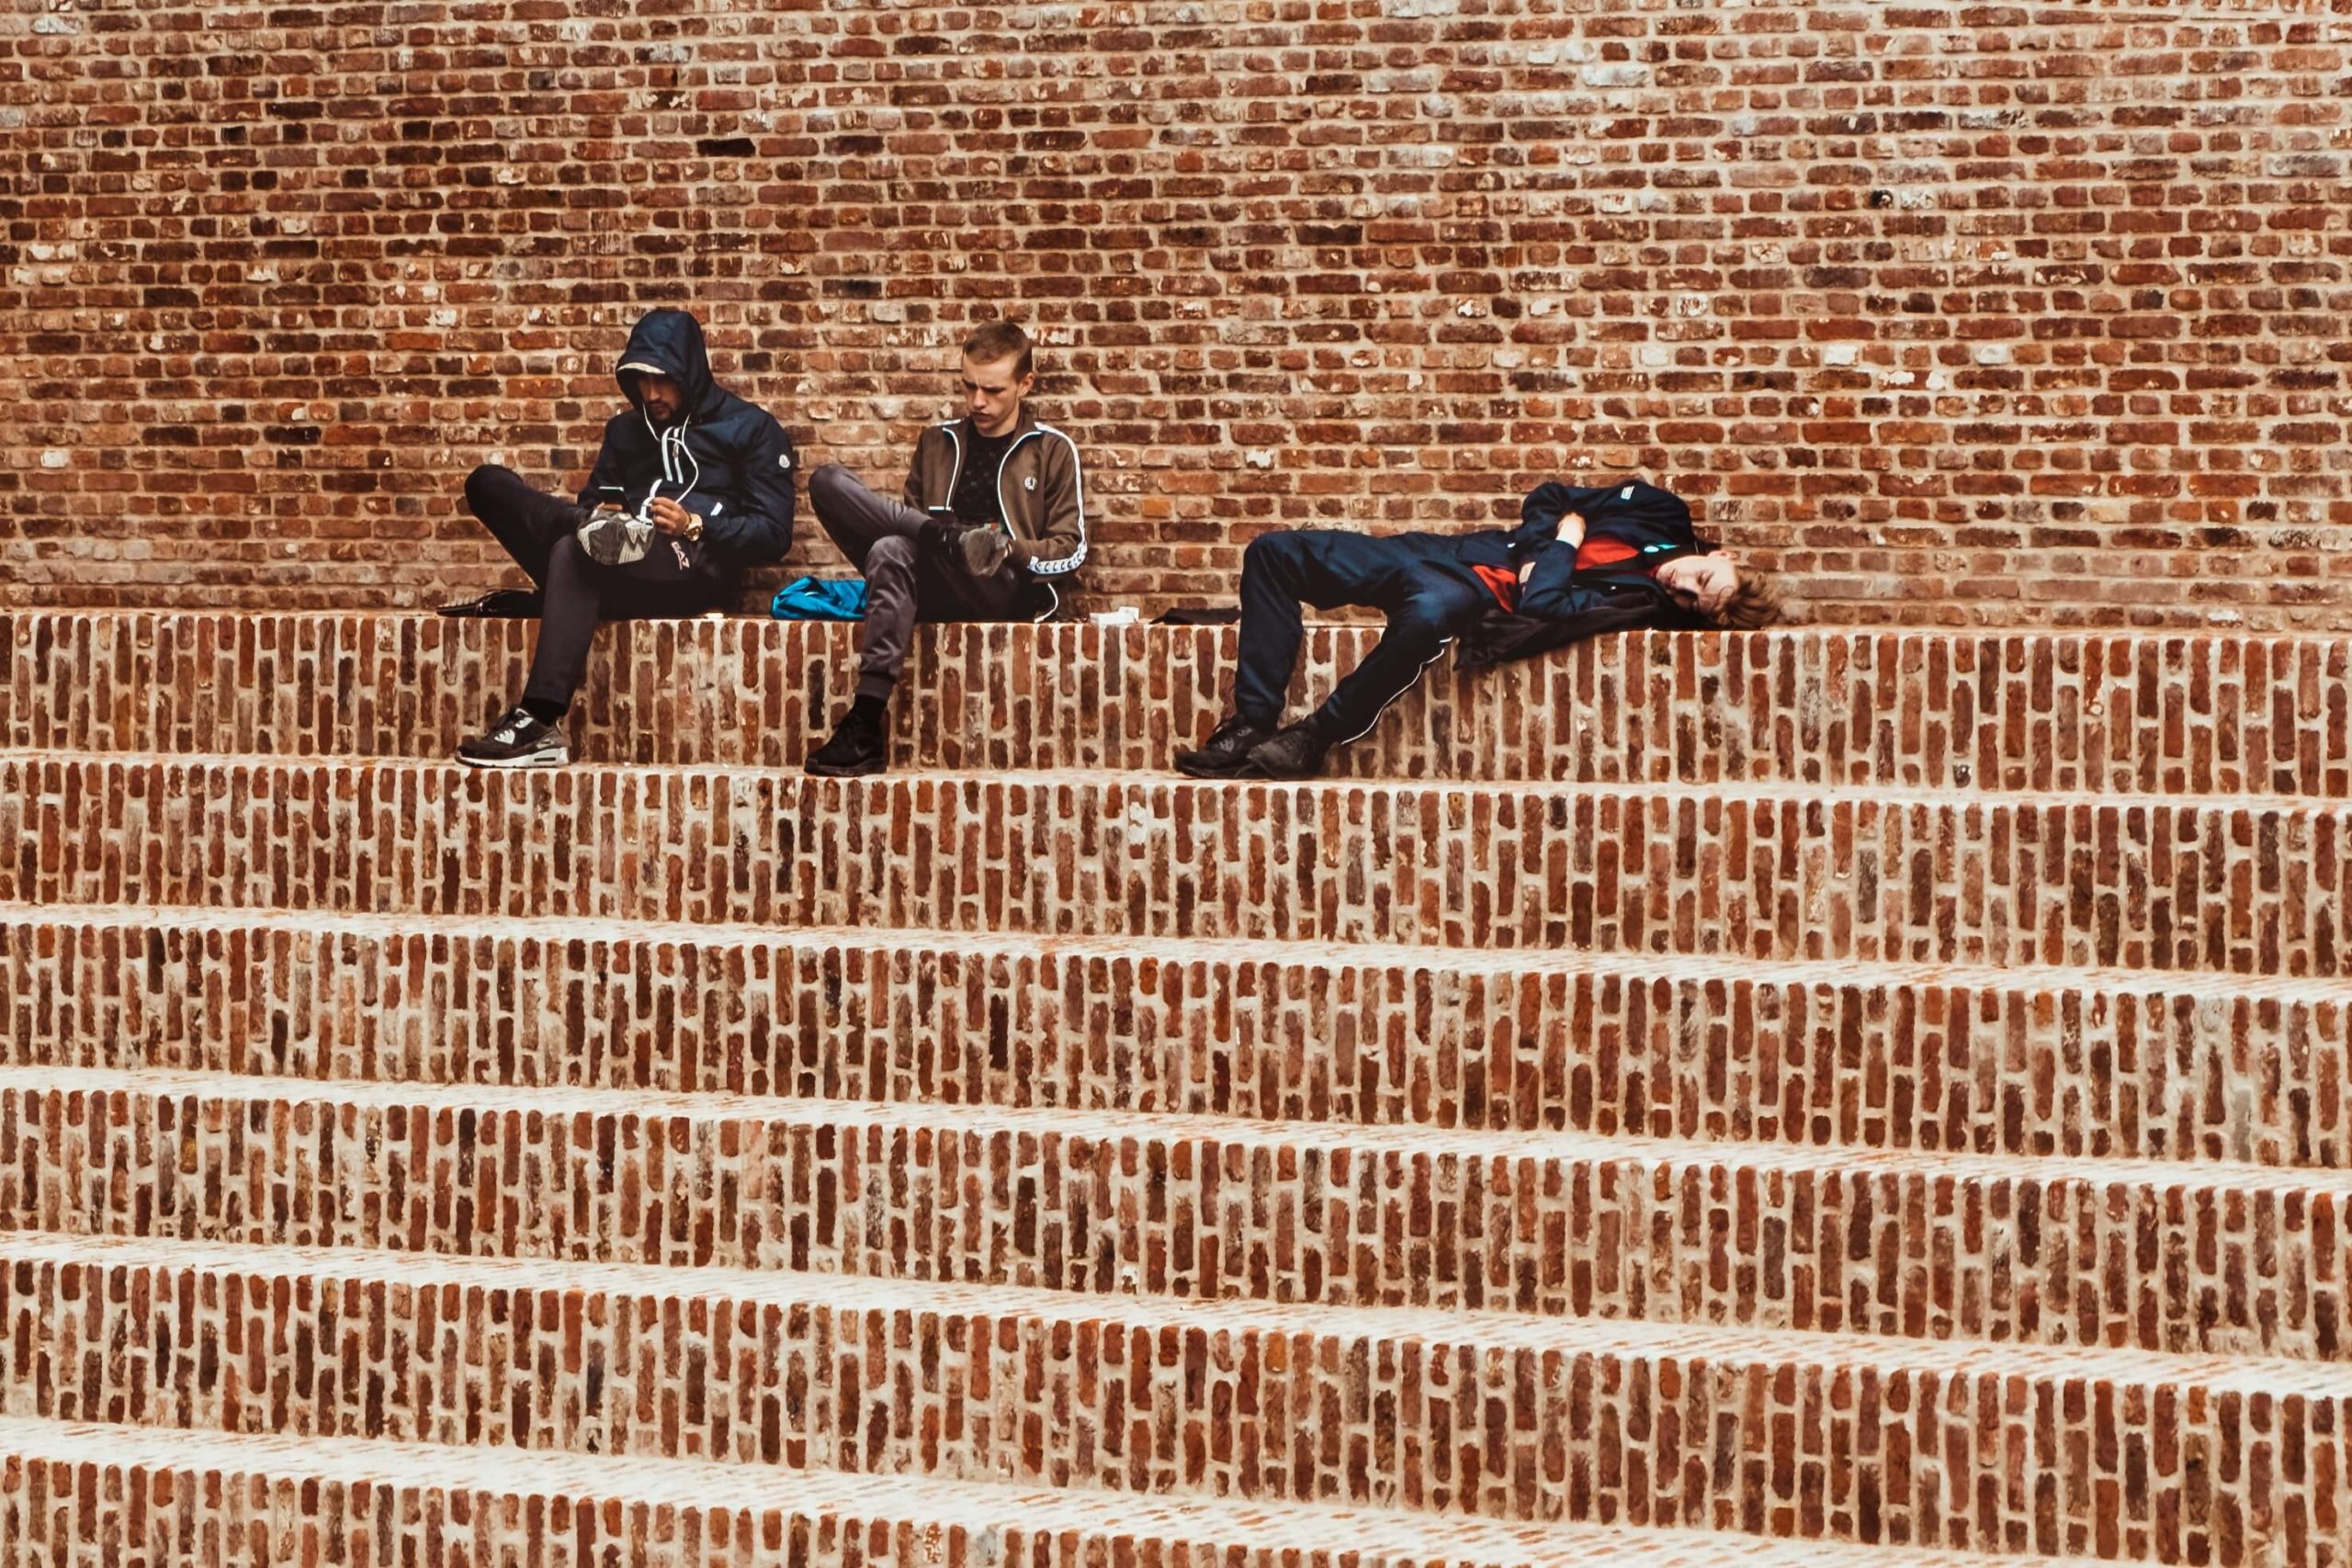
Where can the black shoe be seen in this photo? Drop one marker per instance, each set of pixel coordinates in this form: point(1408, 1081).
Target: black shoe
point(518, 741)
point(858, 747)
point(1294, 753)
point(1225, 753)
point(499, 604)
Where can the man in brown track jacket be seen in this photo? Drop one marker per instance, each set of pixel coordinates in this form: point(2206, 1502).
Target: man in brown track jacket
point(992, 516)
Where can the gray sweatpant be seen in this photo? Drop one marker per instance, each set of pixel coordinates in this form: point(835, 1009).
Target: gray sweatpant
point(903, 586)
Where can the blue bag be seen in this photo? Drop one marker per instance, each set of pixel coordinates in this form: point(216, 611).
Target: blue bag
point(820, 599)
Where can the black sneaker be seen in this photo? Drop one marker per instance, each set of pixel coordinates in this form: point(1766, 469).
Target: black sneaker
point(1225, 753)
point(518, 741)
point(858, 747)
point(499, 604)
point(1294, 753)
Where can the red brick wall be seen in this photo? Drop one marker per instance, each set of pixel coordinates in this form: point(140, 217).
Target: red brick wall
point(1955, 312)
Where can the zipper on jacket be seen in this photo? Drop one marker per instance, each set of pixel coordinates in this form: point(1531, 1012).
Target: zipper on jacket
point(1004, 513)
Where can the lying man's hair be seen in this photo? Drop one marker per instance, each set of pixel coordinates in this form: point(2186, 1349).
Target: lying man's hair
point(991, 341)
point(1755, 604)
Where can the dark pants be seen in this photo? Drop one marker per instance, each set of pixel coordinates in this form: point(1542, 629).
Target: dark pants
point(537, 531)
point(1428, 605)
point(902, 585)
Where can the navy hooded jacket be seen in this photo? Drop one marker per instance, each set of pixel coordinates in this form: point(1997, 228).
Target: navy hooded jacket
point(724, 459)
point(1559, 604)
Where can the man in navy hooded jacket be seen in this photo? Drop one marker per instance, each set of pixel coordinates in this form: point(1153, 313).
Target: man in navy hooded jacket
point(1581, 562)
point(692, 486)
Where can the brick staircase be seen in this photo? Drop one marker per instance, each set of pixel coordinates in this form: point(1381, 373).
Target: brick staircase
point(1822, 1097)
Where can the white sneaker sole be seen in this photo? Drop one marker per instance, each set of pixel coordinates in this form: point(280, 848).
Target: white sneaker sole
point(529, 760)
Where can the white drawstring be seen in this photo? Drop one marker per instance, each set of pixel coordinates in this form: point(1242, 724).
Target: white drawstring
point(685, 456)
point(663, 441)
point(660, 450)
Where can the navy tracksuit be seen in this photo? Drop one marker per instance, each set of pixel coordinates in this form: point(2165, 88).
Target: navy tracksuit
point(1433, 590)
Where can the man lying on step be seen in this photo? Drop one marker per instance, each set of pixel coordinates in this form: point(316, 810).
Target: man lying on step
point(1580, 562)
point(691, 485)
point(992, 514)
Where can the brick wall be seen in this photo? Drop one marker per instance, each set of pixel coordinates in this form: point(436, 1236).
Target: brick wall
point(1956, 312)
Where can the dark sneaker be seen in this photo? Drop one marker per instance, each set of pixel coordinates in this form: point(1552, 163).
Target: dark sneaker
point(1225, 753)
point(858, 747)
point(518, 741)
point(499, 604)
point(1294, 753)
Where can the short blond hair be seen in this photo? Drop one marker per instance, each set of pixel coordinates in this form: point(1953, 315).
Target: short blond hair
point(1754, 604)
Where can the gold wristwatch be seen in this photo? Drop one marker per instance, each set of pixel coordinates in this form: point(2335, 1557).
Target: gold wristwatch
point(694, 528)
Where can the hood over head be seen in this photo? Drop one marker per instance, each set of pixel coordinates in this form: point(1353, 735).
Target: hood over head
point(668, 341)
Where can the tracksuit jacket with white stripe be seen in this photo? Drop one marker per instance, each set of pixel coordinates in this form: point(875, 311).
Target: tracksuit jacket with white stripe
point(1040, 491)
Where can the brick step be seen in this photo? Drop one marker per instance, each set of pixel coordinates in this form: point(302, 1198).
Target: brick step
point(82, 1494)
point(1767, 872)
point(2213, 1258)
point(2100, 1063)
point(1478, 1414)
point(2145, 713)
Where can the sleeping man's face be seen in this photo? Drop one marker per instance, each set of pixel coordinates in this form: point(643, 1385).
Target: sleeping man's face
point(1701, 583)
